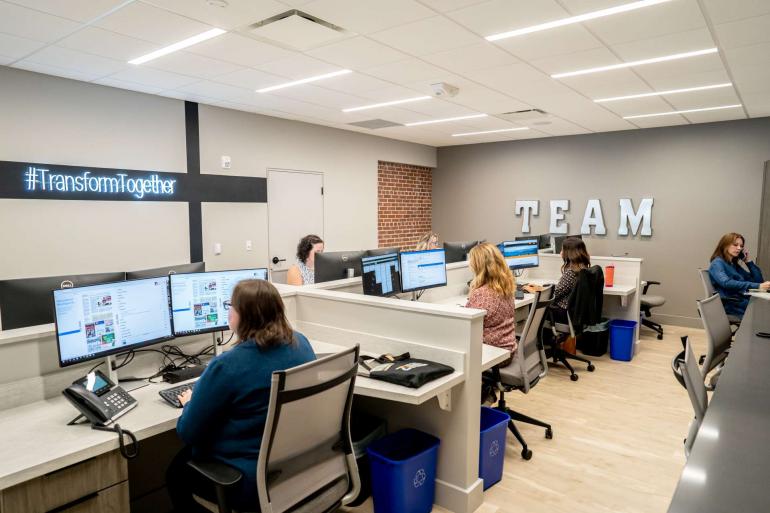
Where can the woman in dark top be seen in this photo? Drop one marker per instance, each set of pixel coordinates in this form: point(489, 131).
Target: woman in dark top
point(733, 273)
point(225, 416)
point(576, 258)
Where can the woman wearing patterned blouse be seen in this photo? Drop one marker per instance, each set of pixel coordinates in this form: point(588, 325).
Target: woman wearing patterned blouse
point(575, 257)
point(493, 289)
point(303, 272)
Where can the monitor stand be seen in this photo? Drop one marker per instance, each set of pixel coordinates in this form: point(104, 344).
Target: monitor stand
point(112, 372)
point(217, 347)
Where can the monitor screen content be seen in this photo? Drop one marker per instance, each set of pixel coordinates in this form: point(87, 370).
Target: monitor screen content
point(99, 320)
point(520, 254)
point(197, 299)
point(381, 275)
point(422, 269)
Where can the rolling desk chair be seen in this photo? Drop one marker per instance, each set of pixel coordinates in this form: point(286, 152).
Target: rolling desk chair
point(527, 368)
point(693, 382)
point(646, 303)
point(300, 469)
point(585, 309)
point(708, 288)
point(719, 336)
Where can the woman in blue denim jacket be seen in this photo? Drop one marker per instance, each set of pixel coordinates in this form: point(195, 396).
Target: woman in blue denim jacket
point(733, 273)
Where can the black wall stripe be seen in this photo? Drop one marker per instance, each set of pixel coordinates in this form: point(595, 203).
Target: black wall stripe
point(195, 214)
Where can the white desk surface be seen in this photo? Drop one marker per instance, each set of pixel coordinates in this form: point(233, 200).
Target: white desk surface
point(462, 300)
point(761, 295)
point(492, 355)
point(615, 290)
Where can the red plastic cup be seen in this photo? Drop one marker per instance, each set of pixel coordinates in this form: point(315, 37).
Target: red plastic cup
point(609, 275)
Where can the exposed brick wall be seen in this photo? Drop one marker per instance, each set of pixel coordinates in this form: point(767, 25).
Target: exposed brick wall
point(404, 203)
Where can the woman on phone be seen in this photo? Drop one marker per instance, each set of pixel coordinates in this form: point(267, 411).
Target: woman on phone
point(733, 273)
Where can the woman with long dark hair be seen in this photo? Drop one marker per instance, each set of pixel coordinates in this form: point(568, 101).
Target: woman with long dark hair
point(575, 258)
point(303, 272)
point(733, 273)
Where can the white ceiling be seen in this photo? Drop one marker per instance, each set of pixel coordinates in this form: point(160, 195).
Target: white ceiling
point(398, 48)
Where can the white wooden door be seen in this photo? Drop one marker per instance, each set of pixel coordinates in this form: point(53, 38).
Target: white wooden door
point(295, 208)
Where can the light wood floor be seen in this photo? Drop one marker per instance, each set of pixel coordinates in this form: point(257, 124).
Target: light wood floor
point(618, 433)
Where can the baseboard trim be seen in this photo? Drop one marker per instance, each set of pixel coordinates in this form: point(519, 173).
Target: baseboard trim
point(678, 320)
point(459, 500)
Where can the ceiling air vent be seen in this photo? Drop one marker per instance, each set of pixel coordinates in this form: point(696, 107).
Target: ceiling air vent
point(374, 124)
point(297, 29)
point(525, 116)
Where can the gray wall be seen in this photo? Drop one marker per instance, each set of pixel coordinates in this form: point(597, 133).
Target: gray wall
point(58, 121)
point(706, 180)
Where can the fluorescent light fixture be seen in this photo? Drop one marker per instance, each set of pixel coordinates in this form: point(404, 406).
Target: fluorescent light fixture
point(492, 131)
point(458, 118)
point(721, 107)
point(388, 104)
point(178, 46)
point(664, 93)
point(576, 19)
point(642, 62)
point(305, 80)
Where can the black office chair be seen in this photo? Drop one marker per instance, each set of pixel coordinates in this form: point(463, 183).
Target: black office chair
point(584, 309)
point(527, 368)
point(647, 302)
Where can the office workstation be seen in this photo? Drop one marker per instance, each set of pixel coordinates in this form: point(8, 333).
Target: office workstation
point(517, 253)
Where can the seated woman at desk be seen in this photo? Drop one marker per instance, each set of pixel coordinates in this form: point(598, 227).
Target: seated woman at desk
point(575, 257)
point(733, 273)
point(493, 289)
point(303, 272)
point(428, 241)
point(225, 417)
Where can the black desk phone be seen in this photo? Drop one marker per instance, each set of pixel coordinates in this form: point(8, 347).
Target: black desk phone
point(98, 399)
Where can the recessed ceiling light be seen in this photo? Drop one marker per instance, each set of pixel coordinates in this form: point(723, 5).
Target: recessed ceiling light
point(576, 19)
point(387, 104)
point(305, 80)
point(721, 107)
point(178, 46)
point(663, 93)
point(472, 116)
point(637, 63)
point(492, 131)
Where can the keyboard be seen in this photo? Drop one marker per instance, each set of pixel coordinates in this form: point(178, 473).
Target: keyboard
point(170, 394)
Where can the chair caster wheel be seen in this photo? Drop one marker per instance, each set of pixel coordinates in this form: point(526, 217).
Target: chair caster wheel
point(526, 454)
point(548, 433)
point(660, 336)
point(574, 377)
point(591, 367)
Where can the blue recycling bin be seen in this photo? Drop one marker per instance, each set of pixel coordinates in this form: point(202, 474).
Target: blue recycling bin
point(494, 428)
point(403, 466)
point(622, 339)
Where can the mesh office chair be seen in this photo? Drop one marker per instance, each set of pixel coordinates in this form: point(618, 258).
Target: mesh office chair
point(693, 382)
point(527, 368)
point(708, 288)
point(585, 308)
point(719, 336)
point(647, 302)
point(302, 470)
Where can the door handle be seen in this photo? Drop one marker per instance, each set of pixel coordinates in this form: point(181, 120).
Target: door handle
point(276, 260)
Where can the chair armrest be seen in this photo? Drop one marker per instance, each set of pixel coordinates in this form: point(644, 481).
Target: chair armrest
point(217, 472)
point(647, 285)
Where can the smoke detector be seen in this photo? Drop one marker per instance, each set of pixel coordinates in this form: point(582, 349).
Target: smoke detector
point(444, 90)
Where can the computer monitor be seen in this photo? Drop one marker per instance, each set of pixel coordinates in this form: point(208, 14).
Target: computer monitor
point(195, 267)
point(27, 301)
point(381, 251)
point(458, 251)
point(381, 274)
point(99, 320)
point(544, 241)
point(197, 299)
point(422, 269)
point(558, 241)
point(520, 254)
point(334, 265)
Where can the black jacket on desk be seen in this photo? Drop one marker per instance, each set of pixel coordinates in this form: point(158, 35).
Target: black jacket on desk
point(587, 298)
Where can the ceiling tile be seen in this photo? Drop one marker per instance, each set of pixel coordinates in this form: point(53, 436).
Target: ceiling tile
point(748, 55)
point(558, 126)
point(495, 16)
point(722, 11)
point(367, 16)
point(5, 61)
point(218, 91)
point(14, 47)
point(450, 5)
point(664, 81)
point(357, 53)
point(427, 36)
point(84, 63)
point(502, 77)
point(192, 65)
point(665, 45)
point(647, 23)
point(29, 24)
point(531, 91)
point(700, 99)
point(752, 79)
point(107, 44)
point(355, 83)
point(131, 86)
point(592, 58)
point(660, 121)
point(389, 93)
point(78, 10)
point(482, 99)
point(249, 79)
point(152, 24)
point(695, 65)
point(758, 104)
point(53, 70)
point(602, 85)
point(438, 109)
point(238, 13)
point(716, 115)
point(537, 45)
point(320, 96)
point(408, 71)
point(152, 77)
point(298, 66)
point(240, 50)
point(744, 32)
point(471, 58)
point(638, 106)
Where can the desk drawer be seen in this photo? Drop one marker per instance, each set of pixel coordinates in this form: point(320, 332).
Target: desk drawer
point(66, 485)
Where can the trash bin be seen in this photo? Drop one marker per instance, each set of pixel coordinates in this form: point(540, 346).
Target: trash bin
point(364, 429)
point(622, 339)
point(494, 427)
point(594, 339)
point(403, 468)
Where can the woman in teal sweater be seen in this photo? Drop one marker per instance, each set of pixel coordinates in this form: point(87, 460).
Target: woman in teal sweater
point(225, 416)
